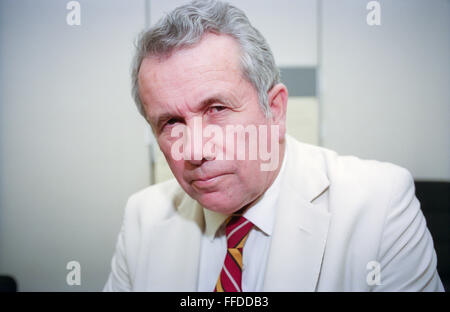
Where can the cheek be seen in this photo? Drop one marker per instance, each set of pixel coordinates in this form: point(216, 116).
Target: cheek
point(248, 175)
point(177, 167)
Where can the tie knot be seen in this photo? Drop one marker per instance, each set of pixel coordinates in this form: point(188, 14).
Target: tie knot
point(237, 230)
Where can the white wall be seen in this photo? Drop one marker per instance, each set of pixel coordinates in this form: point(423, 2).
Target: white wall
point(71, 141)
point(385, 89)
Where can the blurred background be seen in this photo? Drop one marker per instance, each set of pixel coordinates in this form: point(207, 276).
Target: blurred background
point(73, 147)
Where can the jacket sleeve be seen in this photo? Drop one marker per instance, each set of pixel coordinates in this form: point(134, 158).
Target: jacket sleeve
point(406, 255)
point(119, 277)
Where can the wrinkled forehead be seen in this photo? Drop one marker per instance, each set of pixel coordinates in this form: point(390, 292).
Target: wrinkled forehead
point(213, 63)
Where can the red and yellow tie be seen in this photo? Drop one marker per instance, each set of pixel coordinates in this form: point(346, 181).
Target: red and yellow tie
point(230, 278)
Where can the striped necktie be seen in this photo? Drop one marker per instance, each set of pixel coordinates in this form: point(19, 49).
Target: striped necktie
point(237, 229)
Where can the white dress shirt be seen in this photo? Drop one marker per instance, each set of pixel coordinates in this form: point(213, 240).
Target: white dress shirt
point(256, 248)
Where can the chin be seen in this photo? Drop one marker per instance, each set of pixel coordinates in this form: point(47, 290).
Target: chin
point(216, 202)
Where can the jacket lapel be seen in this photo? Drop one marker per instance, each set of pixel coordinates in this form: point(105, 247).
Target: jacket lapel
point(301, 227)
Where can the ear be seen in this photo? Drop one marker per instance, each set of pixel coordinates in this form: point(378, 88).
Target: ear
point(278, 98)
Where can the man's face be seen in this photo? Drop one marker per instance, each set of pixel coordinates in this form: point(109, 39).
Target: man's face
point(205, 82)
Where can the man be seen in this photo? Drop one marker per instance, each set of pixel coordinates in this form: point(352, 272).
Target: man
point(315, 221)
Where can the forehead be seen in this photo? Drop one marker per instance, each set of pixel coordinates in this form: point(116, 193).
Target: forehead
point(212, 65)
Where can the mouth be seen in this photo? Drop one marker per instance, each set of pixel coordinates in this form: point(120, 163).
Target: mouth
point(209, 182)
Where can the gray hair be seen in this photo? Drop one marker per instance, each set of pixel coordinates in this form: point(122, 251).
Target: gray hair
point(185, 26)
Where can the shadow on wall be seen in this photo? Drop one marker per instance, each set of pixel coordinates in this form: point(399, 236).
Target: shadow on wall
point(7, 284)
point(435, 205)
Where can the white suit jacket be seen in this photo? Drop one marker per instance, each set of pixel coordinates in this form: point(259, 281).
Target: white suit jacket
point(342, 224)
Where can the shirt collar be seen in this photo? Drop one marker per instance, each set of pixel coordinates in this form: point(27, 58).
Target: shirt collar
point(261, 214)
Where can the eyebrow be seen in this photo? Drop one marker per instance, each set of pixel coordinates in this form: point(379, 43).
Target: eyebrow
point(203, 104)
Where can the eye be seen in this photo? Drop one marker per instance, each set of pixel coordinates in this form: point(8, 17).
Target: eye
point(216, 108)
point(172, 121)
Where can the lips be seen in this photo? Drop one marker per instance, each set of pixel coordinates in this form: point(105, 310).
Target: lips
point(208, 182)
point(206, 178)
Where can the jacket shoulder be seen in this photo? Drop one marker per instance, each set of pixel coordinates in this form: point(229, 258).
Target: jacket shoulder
point(353, 169)
point(154, 203)
point(355, 181)
point(347, 168)
point(366, 187)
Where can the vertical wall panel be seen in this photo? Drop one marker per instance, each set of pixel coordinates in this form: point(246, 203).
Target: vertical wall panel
point(384, 89)
point(71, 141)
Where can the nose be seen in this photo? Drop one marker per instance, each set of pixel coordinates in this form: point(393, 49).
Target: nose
point(200, 158)
point(195, 152)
